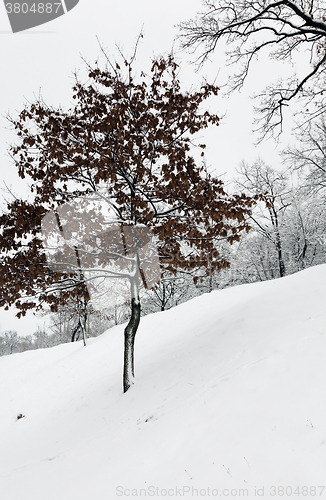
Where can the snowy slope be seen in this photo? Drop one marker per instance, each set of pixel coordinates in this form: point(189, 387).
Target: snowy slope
point(230, 399)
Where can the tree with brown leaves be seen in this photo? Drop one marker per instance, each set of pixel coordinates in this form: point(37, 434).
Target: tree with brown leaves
point(115, 179)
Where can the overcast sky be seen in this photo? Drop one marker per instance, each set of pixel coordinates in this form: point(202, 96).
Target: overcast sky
point(43, 60)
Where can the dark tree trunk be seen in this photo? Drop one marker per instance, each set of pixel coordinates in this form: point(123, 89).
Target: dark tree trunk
point(129, 343)
point(274, 219)
point(281, 264)
point(131, 329)
point(84, 326)
point(82, 323)
point(163, 298)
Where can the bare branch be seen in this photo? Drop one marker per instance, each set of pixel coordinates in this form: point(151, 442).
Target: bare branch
point(275, 29)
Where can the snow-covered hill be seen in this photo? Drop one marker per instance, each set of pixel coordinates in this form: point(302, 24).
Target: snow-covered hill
point(229, 401)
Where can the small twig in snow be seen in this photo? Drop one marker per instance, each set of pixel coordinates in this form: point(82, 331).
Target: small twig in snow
point(188, 474)
point(227, 470)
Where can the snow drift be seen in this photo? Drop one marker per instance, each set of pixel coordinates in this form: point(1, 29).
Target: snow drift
point(229, 401)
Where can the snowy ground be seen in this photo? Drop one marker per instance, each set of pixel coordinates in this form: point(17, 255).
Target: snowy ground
point(229, 401)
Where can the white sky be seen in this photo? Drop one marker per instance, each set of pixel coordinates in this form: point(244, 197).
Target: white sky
point(44, 59)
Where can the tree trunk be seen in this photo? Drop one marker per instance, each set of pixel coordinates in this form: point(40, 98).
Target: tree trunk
point(281, 264)
point(274, 219)
point(163, 297)
point(84, 325)
point(129, 337)
point(131, 329)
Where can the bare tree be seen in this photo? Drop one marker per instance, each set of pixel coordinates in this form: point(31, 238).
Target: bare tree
point(278, 29)
point(8, 342)
point(171, 291)
point(268, 217)
point(254, 260)
point(308, 157)
point(288, 227)
point(305, 232)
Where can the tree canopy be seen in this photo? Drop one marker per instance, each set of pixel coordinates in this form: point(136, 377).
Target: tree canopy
point(276, 29)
